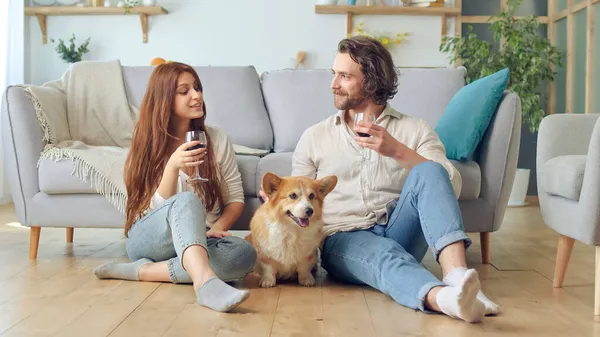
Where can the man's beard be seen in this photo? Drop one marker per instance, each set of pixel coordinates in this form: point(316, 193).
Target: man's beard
point(343, 101)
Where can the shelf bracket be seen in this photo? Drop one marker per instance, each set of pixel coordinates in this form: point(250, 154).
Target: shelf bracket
point(42, 21)
point(349, 23)
point(144, 22)
point(444, 26)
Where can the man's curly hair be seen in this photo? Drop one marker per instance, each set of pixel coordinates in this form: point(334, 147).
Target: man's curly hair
point(381, 78)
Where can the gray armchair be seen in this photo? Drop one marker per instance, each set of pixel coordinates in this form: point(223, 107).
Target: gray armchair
point(568, 179)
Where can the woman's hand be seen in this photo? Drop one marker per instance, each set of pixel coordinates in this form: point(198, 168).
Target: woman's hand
point(217, 233)
point(182, 158)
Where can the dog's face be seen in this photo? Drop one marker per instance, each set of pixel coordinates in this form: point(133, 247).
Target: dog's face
point(297, 200)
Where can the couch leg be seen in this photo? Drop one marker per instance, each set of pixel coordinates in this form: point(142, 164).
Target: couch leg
point(597, 284)
point(34, 241)
point(70, 234)
point(486, 253)
point(563, 254)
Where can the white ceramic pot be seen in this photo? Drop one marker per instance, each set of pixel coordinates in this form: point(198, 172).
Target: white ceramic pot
point(519, 189)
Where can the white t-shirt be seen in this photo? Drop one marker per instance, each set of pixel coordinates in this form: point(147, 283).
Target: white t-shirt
point(231, 182)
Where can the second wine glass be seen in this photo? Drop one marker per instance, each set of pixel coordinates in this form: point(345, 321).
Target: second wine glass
point(196, 135)
point(360, 116)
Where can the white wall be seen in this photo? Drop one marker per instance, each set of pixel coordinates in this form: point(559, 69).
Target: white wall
point(263, 33)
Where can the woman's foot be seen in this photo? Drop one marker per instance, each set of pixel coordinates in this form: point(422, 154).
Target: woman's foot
point(121, 271)
point(218, 295)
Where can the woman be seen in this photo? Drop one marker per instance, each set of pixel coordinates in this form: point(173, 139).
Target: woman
point(171, 235)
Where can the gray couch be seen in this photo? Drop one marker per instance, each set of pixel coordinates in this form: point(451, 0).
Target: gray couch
point(264, 113)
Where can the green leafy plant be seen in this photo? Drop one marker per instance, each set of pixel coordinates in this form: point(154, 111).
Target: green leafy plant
point(531, 58)
point(72, 54)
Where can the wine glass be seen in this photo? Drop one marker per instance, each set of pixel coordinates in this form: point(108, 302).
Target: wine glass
point(359, 116)
point(193, 136)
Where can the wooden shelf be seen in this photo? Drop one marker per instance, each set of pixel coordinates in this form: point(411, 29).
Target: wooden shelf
point(386, 10)
point(43, 12)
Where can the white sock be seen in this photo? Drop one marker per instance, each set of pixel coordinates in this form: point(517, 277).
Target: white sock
point(454, 277)
point(461, 301)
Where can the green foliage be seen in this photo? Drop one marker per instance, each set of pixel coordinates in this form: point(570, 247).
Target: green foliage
point(71, 54)
point(531, 58)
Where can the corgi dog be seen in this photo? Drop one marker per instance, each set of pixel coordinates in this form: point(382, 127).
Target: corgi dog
point(287, 229)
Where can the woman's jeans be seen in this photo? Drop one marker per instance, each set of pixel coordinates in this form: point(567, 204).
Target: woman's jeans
point(387, 257)
point(166, 232)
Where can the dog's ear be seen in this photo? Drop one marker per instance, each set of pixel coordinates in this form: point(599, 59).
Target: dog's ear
point(270, 183)
point(327, 185)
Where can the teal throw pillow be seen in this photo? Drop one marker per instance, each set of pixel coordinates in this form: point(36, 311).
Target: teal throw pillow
point(468, 115)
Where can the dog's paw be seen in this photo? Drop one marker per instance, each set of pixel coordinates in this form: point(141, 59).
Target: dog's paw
point(306, 280)
point(267, 282)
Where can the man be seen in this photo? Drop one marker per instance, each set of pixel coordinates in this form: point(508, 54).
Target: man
point(396, 194)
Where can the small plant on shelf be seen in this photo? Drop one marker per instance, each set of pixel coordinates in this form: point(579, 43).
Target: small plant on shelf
point(72, 54)
point(388, 41)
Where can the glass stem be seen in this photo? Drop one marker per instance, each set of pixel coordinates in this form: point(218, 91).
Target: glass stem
point(197, 172)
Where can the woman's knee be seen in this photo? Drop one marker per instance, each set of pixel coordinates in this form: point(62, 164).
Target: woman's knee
point(185, 198)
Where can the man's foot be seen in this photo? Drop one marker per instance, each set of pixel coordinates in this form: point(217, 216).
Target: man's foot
point(121, 271)
point(461, 301)
point(454, 277)
point(220, 296)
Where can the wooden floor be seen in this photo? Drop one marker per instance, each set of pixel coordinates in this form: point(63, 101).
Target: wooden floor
point(57, 295)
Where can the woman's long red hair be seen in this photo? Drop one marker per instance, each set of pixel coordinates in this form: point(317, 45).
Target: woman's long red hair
point(152, 145)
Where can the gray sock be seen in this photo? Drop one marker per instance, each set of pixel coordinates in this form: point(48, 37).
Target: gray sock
point(121, 271)
point(220, 296)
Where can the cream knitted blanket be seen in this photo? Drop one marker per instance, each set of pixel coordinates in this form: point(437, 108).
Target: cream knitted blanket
point(86, 117)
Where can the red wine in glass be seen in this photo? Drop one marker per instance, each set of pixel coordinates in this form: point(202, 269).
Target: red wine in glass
point(359, 116)
point(196, 135)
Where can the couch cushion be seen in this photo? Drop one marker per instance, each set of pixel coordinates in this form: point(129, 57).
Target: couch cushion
point(470, 172)
point(425, 93)
point(563, 176)
point(281, 164)
point(278, 163)
point(244, 118)
point(248, 166)
point(56, 178)
point(295, 100)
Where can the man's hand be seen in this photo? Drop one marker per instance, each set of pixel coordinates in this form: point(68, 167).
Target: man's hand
point(217, 233)
point(383, 143)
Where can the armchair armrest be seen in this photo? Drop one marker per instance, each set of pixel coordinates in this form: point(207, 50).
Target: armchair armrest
point(564, 134)
point(498, 155)
point(22, 141)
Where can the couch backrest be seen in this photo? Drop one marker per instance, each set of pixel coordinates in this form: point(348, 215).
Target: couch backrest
point(297, 99)
point(425, 92)
point(233, 96)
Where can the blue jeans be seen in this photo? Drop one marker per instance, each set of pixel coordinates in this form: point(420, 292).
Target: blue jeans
point(387, 257)
point(166, 232)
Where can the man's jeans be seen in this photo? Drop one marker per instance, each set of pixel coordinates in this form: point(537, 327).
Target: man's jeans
point(387, 257)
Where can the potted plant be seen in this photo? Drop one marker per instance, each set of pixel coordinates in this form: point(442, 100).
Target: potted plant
point(72, 54)
point(532, 61)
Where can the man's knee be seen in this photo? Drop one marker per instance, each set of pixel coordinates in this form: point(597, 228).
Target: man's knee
point(430, 170)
